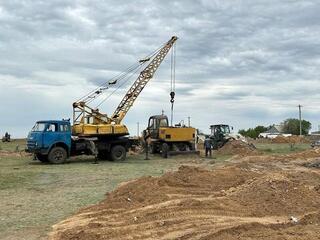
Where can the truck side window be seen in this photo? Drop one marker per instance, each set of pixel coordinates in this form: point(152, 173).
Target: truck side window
point(52, 128)
point(64, 128)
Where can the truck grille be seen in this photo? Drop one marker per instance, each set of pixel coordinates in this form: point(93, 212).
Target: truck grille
point(31, 144)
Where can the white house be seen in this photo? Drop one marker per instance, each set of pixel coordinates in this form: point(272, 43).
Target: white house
point(274, 132)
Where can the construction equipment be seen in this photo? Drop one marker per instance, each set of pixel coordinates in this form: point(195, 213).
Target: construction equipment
point(169, 140)
point(6, 137)
point(94, 132)
point(90, 122)
point(221, 134)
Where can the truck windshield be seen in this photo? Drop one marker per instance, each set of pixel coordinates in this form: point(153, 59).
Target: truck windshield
point(39, 127)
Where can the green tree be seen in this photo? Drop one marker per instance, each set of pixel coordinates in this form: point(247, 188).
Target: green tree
point(260, 129)
point(292, 126)
point(253, 132)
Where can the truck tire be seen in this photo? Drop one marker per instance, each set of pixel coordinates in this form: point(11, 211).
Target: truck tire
point(118, 153)
point(164, 150)
point(42, 158)
point(57, 155)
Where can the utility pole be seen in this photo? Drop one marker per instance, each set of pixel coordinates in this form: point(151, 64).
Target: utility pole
point(299, 106)
point(188, 121)
point(138, 130)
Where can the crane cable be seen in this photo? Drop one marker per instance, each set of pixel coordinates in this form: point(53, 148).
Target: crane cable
point(126, 74)
point(118, 77)
point(120, 85)
point(173, 79)
point(132, 73)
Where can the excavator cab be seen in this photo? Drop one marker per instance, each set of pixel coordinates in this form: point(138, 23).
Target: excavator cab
point(155, 122)
point(219, 135)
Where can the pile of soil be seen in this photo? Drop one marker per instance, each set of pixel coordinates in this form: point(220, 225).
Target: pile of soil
point(261, 197)
point(237, 147)
point(291, 139)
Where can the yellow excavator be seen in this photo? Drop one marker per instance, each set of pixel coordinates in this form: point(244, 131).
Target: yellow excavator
point(169, 140)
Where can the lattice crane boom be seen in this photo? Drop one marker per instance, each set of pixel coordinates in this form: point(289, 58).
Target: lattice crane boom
point(83, 114)
point(142, 80)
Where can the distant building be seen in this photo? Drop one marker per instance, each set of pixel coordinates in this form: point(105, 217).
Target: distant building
point(317, 133)
point(274, 132)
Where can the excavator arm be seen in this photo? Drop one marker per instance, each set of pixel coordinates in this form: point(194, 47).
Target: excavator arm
point(142, 80)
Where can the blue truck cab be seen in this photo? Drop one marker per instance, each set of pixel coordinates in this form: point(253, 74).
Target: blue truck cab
point(50, 140)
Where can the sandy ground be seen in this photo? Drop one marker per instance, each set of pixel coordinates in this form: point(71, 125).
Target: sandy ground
point(250, 197)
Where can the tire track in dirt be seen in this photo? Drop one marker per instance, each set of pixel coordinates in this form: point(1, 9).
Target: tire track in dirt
point(247, 199)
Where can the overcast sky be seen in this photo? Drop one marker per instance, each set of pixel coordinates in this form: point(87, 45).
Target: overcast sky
point(238, 62)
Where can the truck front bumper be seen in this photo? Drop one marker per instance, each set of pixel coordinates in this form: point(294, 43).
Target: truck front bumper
point(41, 151)
point(32, 147)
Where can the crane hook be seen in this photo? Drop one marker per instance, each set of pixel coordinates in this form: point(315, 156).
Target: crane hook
point(172, 94)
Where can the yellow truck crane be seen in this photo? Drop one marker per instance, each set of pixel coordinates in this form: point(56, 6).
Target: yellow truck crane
point(94, 132)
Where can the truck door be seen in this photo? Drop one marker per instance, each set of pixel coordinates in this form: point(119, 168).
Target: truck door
point(65, 134)
point(50, 135)
point(54, 133)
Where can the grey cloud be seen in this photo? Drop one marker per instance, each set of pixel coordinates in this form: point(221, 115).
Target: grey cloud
point(264, 49)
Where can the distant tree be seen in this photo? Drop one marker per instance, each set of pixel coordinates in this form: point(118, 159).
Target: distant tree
point(292, 126)
point(242, 132)
point(253, 132)
point(260, 129)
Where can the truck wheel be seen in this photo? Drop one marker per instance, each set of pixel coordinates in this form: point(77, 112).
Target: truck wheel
point(57, 155)
point(164, 150)
point(118, 153)
point(42, 158)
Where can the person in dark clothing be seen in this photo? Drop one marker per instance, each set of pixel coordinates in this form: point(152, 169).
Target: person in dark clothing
point(208, 146)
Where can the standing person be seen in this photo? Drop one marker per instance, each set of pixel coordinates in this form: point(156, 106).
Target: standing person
point(147, 140)
point(208, 146)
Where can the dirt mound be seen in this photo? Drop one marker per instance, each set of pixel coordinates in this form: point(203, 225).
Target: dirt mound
point(237, 147)
point(310, 153)
point(307, 228)
point(291, 139)
point(239, 200)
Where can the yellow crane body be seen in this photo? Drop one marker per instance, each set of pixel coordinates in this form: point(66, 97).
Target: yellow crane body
point(99, 129)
